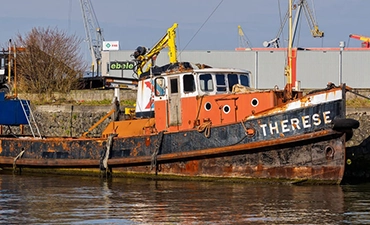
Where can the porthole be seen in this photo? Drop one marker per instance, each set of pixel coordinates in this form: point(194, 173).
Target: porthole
point(226, 109)
point(207, 106)
point(254, 102)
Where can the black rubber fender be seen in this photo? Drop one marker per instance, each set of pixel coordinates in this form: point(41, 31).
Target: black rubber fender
point(345, 124)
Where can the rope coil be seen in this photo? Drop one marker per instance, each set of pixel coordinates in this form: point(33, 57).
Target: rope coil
point(206, 128)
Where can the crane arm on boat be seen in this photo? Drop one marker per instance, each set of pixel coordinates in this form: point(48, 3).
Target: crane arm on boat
point(142, 56)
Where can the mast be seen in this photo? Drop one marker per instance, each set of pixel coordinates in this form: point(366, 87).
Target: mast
point(288, 68)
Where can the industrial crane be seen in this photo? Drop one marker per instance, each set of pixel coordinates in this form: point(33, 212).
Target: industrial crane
point(243, 42)
point(142, 57)
point(314, 28)
point(94, 36)
point(365, 40)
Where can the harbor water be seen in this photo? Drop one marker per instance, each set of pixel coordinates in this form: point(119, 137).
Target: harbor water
point(51, 199)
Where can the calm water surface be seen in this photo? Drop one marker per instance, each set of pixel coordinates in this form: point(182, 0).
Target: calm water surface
point(26, 199)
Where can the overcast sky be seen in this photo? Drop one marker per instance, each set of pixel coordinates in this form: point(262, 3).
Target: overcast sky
point(203, 24)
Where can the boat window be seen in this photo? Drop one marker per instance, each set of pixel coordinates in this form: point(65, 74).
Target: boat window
point(220, 82)
point(189, 84)
point(159, 86)
point(244, 80)
point(232, 79)
point(174, 88)
point(205, 82)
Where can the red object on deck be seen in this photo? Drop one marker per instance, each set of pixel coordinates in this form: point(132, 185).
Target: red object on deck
point(365, 40)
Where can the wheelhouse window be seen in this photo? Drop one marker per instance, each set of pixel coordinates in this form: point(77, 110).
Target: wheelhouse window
point(189, 84)
point(206, 83)
point(159, 86)
point(244, 80)
point(232, 80)
point(174, 88)
point(221, 82)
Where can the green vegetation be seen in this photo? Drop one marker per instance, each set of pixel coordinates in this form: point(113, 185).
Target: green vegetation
point(63, 101)
point(358, 102)
point(128, 102)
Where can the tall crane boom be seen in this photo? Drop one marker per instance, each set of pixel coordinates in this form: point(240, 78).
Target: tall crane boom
point(311, 20)
point(243, 42)
point(314, 28)
point(94, 36)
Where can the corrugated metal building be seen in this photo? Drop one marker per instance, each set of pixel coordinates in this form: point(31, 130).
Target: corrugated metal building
point(315, 66)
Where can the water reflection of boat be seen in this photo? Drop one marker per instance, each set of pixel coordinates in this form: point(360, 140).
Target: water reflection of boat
point(195, 120)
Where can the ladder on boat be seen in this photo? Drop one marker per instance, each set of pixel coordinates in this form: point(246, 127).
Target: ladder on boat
point(30, 118)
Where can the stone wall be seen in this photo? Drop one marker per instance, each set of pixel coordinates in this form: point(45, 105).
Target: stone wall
point(71, 120)
point(65, 120)
point(363, 132)
point(83, 95)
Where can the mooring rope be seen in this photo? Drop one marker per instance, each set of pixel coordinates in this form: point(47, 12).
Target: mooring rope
point(156, 151)
point(355, 93)
point(245, 128)
point(16, 158)
point(104, 160)
point(199, 108)
point(206, 128)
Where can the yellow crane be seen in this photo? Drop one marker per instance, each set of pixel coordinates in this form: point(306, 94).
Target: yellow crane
point(243, 42)
point(143, 57)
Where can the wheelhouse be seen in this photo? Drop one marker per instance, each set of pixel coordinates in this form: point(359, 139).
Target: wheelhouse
point(203, 82)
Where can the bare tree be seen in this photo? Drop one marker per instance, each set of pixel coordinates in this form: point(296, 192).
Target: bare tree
point(51, 61)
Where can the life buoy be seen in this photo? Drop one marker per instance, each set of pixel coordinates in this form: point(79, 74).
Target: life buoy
point(341, 124)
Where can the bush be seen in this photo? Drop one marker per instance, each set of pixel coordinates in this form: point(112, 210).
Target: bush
point(51, 61)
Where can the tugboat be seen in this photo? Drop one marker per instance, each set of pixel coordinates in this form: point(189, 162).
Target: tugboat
point(199, 121)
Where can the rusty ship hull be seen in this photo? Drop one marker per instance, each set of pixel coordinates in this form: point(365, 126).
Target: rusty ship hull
point(284, 160)
point(287, 143)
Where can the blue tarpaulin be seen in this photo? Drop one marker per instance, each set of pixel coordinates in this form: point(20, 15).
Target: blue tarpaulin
point(11, 111)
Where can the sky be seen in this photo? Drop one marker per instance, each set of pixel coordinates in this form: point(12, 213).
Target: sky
point(202, 24)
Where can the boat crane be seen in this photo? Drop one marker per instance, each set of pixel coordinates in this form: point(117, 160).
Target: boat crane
point(142, 57)
point(314, 28)
point(94, 36)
